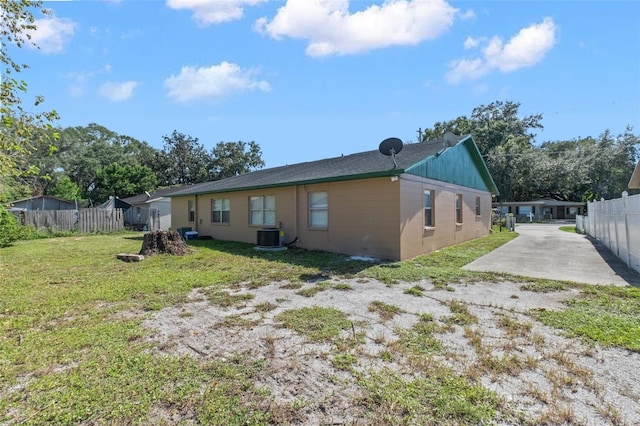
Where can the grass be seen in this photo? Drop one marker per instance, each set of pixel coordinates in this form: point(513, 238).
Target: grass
point(317, 323)
point(68, 355)
point(608, 315)
point(571, 229)
point(443, 266)
point(384, 310)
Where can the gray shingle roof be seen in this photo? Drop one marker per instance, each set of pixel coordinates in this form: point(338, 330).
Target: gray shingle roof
point(353, 166)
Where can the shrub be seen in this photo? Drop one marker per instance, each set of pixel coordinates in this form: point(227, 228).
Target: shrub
point(10, 229)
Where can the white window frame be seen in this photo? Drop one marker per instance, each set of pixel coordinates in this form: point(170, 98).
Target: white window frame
point(478, 206)
point(319, 210)
point(429, 216)
point(459, 205)
point(262, 210)
point(222, 206)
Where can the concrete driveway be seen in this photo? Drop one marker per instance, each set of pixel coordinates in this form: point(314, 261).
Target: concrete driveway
point(544, 251)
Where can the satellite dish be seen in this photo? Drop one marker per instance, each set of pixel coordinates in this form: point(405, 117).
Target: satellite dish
point(450, 139)
point(390, 147)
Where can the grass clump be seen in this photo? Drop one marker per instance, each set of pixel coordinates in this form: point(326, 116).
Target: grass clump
point(225, 299)
point(607, 315)
point(385, 311)
point(416, 290)
point(420, 339)
point(319, 324)
point(440, 397)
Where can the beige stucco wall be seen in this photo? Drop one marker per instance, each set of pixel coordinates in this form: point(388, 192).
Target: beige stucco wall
point(376, 217)
point(416, 239)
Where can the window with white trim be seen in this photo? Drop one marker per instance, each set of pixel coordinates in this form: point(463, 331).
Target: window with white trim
point(318, 209)
point(191, 208)
point(262, 210)
point(478, 209)
point(220, 210)
point(458, 208)
point(429, 199)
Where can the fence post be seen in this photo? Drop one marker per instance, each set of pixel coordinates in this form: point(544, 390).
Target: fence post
point(625, 194)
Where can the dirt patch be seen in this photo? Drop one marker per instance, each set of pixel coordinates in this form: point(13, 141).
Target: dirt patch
point(540, 374)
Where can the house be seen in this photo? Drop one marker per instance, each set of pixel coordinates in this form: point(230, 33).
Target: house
point(157, 206)
point(424, 197)
point(43, 202)
point(634, 182)
point(538, 210)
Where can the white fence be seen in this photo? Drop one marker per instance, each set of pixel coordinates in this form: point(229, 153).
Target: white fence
point(616, 224)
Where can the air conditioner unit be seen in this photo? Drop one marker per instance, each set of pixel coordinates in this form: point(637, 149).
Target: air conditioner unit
point(269, 237)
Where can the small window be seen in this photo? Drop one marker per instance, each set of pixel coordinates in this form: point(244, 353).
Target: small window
point(478, 210)
point(192, 210)
point(318, 210)
point(458, 208)
point(220, 210)
point(429, 221)
point(262, 210)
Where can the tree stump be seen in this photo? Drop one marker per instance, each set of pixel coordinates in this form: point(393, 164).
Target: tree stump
point(168, 242)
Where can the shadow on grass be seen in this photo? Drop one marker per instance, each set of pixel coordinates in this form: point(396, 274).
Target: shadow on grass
point(328, 263)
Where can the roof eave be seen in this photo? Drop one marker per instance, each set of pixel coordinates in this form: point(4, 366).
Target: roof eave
point(392, 172)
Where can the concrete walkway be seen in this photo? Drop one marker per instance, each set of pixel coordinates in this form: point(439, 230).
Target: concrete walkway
point(544, 251)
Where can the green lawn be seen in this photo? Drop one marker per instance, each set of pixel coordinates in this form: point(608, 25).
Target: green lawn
point(69, 355)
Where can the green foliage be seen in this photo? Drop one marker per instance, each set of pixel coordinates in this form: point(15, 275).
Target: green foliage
point(577, 170)
point(21, 128)
point(66, 188)
point(607, 315)
point(122, 181)
point(184, 160)
point(233, 159)
point(10, 229)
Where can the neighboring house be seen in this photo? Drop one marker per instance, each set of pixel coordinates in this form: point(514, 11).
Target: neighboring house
point(538, 210)
point(158, 207)
point(430, 195)
point(634, 182)
point(43, 202)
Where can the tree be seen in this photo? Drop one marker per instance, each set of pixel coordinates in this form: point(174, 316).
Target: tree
point(122, 181)
point(83, 151)
point(19, 133)
point(233, 159)
point(503, 137)
point(66, 188)
point(185, 160)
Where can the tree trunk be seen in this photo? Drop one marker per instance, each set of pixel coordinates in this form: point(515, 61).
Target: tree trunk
point(169, 242)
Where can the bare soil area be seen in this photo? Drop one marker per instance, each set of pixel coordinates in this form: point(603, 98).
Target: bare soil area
point(541, 375)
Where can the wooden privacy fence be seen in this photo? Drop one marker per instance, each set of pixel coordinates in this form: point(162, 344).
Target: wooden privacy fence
point(82, 220)
point(616, 224)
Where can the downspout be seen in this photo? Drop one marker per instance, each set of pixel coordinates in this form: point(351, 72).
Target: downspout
point(295, 216)
point(195, 214)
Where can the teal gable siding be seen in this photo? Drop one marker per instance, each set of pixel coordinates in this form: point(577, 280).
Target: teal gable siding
point(460, 164)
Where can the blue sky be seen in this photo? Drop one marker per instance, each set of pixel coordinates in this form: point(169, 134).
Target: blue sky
point(313, 79)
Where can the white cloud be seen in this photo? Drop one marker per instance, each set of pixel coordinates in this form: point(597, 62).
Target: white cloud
point(471, 43)
point(118, 91)
point(51, 34)
point(216, 81)
point(332, 30)
point(78, 86)
point(207, 12)
point(525, 49)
